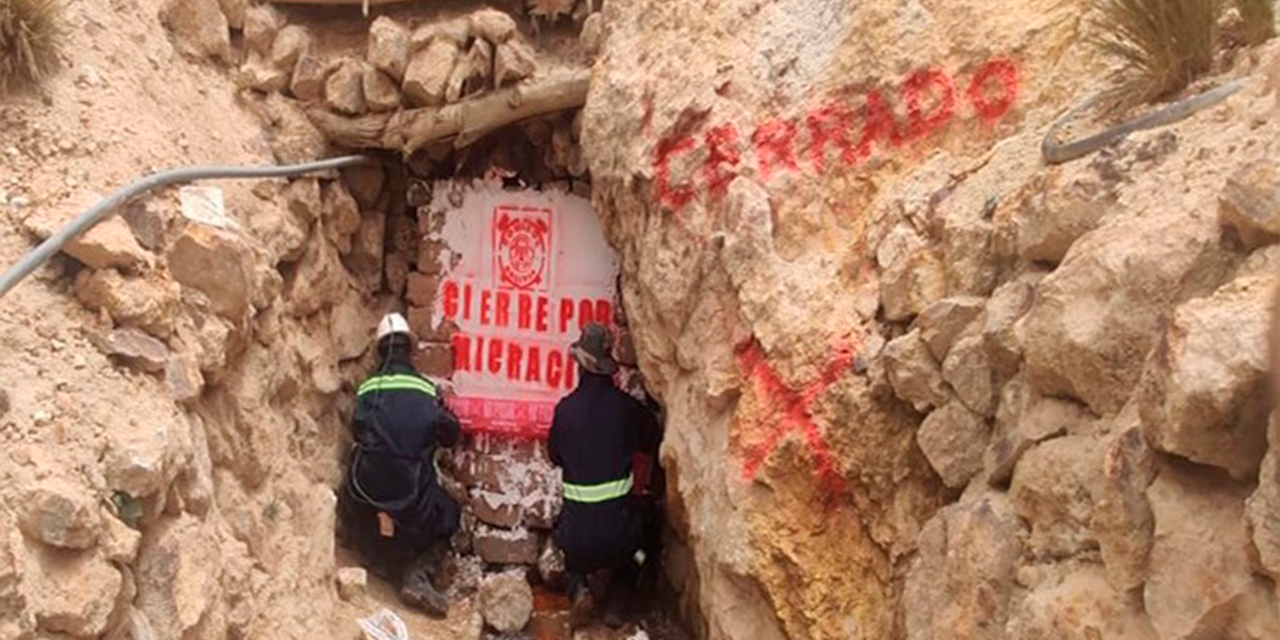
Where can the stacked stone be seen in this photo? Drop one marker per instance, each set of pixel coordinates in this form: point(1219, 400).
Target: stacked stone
point(511, 497)
point(434, 64)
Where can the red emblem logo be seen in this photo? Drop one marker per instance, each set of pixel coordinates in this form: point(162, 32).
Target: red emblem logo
point(522, 250)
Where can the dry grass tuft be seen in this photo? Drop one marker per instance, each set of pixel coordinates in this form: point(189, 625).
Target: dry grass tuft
point(31, 36)
point(1259, 18)
point(1163, 44)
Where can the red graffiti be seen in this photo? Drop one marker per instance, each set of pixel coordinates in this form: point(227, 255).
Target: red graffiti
point(722, 152)
point(1003, 72)
point(925, 103)
point(775, 146)
point(797, 412)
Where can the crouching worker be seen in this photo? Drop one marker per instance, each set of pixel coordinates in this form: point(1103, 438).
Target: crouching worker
point(595, 433)
point(393, 509)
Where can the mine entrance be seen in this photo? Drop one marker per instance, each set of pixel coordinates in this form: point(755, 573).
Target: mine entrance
point(495, 256)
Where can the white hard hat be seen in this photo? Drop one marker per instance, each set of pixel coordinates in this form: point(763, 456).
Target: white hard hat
point(393, 323)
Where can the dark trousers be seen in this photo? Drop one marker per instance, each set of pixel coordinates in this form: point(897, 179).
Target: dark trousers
point(418, 530)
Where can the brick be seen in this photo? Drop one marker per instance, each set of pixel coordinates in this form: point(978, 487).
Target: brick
point(420, 322)
point(506, 546)
point(429, 252)
point(421, 289)
point(497, 509)
point(434, 359)
point(542, 513)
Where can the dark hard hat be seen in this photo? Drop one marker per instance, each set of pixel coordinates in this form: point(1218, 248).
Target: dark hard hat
point(594, 349)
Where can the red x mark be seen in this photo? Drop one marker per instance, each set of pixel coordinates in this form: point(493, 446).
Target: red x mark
point(796, 411)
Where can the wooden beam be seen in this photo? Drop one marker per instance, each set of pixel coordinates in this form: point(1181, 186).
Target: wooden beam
point(464, 122)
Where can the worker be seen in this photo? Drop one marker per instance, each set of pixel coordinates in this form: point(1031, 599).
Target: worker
point(394, 511)
point(595, 433)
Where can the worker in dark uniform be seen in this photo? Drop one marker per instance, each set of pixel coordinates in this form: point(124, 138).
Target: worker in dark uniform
point(393, 509)
point(596, 431)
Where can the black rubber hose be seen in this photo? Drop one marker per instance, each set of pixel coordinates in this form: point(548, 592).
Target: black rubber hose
point(104, 207)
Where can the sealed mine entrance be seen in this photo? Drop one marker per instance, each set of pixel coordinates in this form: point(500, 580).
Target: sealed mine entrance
point(496, 258)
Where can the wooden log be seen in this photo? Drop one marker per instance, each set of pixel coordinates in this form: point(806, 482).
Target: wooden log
point(464, 122)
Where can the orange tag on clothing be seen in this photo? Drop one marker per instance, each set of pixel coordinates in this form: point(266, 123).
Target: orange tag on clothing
point(386, 526)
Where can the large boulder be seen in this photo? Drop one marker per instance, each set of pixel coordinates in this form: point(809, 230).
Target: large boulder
point(199, 28)
point(912, 275)
point(319, 279)
point(217, 263)
point(943, 321)
point(1202, 583)
point(960, 582)
point(967, 369)
point(1097, 316)
point(1052, 489)
point(1203, 394)
point(1055, 212)
point(72, 593)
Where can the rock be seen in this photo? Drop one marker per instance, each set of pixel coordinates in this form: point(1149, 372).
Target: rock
point(396, 271)
point(427, 77)
point(234, 10)
point(303, 199)
point(133, 347)
point(309, 75)
point(1002, 458)
point(365, 184)
point(83, 611)
point(506, 601)
point(293, 137)
point(388, 46)
point(912, 276)
point(380, 91)
point(1201, 583)
point(353, 583)
point(365, 260)
point(1096, 317)
point(969, 373)
point(504, 546)
point(178, 574)
point(148, 302)
point(1122, 519)
point(421, 291)
point(1250, 203)
point(261, 24)
point(434, 359)
point(513, 61)
point(493, 25)
point(341, 216)
point(291, 43)
point(344, 89)
point(1203, 393)
point(281, 233)
point(1052, 216)
point(497, 509)
point(943, 321)
point(60, 513)
point(456, 30)
point(1047, 418)
point(109, 245)
point(953, 439)
point(199, 28)
point(138, 459)
point(1079, 606)
point(183, 379)
point(120, 543)
point(351, 323)
point(959, 584)
point(319, 279)
point(968, 258)
point(1262, 509)
point(913, 373)
point(471, 74)
point(153, 222)
point(260, 75)
point(217, 263)
point(1052, 489)
point(1008, 303)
